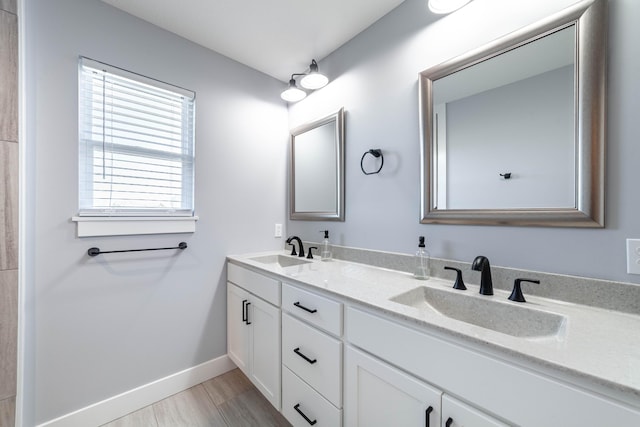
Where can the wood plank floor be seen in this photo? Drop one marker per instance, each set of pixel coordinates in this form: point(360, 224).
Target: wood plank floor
point(229, 400)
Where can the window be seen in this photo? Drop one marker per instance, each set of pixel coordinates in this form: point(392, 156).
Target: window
point(136, 145)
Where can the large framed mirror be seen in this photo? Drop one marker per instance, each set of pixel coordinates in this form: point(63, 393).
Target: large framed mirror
point(317, 170)
point(513, 133)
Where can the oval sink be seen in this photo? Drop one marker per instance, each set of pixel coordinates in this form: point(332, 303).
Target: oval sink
point(280, 260)
point(505, 317)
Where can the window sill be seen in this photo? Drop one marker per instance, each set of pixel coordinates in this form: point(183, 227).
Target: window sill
point(122, 226)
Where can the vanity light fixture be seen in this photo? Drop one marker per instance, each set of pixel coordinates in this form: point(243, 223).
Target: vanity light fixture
point(312, 80)
point(442, 7)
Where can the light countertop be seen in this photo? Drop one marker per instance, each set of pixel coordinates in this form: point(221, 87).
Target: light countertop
point(595, 344)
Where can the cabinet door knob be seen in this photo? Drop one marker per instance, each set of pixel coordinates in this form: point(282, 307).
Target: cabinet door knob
point(297, 304)
point(244, 311)
point(247, 307)
point(448, 422)
point(299, 353)
point(426, 416)
point(298, 410)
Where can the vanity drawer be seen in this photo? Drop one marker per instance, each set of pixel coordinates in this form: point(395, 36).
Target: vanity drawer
point(265, 287)
point(322, 312)
point(298, 394)
point(323, 370)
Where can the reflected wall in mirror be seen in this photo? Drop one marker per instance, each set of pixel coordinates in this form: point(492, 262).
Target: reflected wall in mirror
point(511, 115)
point(513, 133)
point(317, 170)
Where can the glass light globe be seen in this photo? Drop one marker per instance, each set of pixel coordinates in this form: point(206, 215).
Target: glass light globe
point(446, 6)
point(293, 93)
point(314, 81)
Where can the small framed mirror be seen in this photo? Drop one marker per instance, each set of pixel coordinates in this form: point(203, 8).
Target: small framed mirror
point(317, 170)
point(513, 133)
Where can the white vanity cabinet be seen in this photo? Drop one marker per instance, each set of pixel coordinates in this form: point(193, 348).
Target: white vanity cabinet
point(311, 358)
point(458, 414)
point(334, 357)
point(493, 389)
point(379, 395)
point(253, 329)
point(237, 328)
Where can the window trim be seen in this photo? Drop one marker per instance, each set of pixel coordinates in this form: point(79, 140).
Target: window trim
point(88, 226)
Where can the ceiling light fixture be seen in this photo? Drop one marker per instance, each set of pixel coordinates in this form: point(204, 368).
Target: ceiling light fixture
point(446, 6)
point(312, 80)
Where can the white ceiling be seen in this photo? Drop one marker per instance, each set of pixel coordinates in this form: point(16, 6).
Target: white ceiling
point(277, 37)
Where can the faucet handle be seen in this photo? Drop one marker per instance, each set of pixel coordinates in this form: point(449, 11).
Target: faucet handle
point(459, 284)
point(293, 248)
point(310, 255)
point(516, 294)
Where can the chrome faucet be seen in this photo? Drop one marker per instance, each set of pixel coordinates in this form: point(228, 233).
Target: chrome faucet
point(481, 264)
point(293, 251)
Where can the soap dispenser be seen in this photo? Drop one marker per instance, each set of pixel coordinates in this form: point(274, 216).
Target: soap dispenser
point(422, 261)
point(325, 251)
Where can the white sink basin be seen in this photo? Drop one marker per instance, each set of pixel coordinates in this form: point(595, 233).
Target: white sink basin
point(280, 260)
point(506, 317)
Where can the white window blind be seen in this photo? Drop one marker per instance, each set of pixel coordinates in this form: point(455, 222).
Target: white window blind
point(136, 144)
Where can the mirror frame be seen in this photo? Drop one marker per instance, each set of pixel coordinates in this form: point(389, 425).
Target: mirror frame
point(589, 17)
point(338, 214)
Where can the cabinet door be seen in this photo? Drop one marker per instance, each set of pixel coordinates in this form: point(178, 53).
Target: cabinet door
point(458, 414)
point(237, 327)
point(377, 394)
point(265, 348)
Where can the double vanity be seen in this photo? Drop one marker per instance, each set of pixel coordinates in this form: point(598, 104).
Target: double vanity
point(342, 343)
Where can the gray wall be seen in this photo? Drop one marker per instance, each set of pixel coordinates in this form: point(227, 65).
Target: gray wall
point(100, 326)
point(374, 77)
point(525, 128)
point(315, 170)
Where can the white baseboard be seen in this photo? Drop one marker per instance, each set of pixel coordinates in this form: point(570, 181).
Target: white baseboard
point(120, 405)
